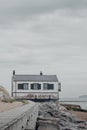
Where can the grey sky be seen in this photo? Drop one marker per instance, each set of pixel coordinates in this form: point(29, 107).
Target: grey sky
point(47, 35)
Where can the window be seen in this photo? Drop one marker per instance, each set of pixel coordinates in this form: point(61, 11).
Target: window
point(23, 86)
point(47, 86)
point(35, 86)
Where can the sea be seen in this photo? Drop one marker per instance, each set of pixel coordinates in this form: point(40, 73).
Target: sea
point(75, 101)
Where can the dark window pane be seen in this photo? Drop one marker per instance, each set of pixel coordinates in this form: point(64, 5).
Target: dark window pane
point(32, 86)
point(20, 86)
point(51, 86)
point(39, 86)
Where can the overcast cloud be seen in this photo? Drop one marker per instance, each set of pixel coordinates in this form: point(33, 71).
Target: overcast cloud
point(47, 35)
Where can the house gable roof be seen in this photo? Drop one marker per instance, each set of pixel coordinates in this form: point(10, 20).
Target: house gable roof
point(36, 78)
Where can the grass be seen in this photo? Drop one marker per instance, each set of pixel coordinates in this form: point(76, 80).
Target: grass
point(14, 100)
point(2, 89)
point(24, 102)
point(8, 99)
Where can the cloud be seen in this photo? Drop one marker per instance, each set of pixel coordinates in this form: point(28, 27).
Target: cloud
point(11, 11)
point(45, 35)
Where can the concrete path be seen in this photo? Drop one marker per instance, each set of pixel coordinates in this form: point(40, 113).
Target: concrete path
point(18, 117)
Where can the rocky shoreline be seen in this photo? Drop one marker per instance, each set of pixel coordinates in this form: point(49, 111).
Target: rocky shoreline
point(56, 117)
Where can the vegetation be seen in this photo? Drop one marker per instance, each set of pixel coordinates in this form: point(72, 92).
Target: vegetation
point(14, 100)
point(24, 102)
point(7, 99)
point(10, 100)
point(2, 89)
point(72, 107)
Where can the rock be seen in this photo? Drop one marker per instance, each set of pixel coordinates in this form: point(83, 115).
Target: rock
point(52, 115)
point(62, 108)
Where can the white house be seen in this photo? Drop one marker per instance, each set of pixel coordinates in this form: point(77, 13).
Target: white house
point(35, 86)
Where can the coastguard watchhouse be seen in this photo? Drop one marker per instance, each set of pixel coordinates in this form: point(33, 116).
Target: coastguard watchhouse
point(40, 86)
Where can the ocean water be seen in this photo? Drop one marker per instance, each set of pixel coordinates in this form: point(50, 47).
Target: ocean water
point(81, 102)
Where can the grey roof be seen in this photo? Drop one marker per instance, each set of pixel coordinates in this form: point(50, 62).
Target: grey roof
point(36, 78)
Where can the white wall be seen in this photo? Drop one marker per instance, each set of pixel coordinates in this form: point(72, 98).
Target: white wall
point(40, 90)
point(39, 93)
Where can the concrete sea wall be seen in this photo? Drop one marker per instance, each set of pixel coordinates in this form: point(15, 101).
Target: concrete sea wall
point(21, 118)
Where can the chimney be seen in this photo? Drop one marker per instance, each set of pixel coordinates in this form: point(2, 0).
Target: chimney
point(41, 73)
point(13, 72)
